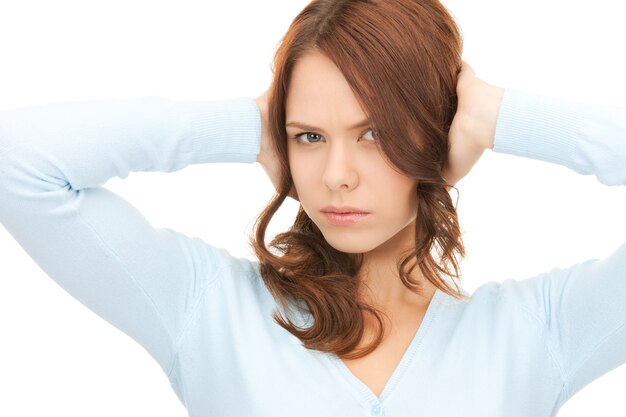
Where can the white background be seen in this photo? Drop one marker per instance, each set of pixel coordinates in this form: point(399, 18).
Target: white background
point(520, 217)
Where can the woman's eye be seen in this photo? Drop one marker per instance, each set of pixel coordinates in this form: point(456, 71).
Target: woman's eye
point(308, 137)
point(371, 135)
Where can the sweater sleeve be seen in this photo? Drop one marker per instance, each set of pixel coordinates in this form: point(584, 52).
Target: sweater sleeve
point(54, 160)
point(582, 308)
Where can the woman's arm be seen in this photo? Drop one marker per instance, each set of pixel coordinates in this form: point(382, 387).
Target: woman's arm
point(590, 140)
point(587, 139)
point(582, 309)
point(98, 247)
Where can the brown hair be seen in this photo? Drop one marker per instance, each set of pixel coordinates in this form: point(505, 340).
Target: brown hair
point(401, 59)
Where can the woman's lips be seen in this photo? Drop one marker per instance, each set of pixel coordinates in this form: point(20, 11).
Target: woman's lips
point(344, 219)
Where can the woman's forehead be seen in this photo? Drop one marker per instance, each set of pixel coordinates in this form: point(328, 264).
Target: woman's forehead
point(319, 94)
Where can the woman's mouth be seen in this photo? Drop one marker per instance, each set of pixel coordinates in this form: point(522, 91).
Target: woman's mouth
point(344, 219)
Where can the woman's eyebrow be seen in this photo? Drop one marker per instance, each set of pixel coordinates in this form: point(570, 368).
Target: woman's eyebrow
point(362, 123)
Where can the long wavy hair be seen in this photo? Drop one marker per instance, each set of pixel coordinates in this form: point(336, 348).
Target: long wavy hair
point(401, 59)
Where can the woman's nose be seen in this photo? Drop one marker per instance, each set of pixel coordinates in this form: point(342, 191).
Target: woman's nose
point(340, 172)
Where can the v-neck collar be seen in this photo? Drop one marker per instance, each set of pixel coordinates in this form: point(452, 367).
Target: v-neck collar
point(364, 391)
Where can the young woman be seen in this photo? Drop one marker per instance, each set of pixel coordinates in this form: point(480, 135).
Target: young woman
point(356, 310)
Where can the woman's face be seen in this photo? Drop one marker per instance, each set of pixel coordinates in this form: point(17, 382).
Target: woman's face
point(335, 161)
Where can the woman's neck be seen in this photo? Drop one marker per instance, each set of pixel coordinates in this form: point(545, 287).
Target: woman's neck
point(380, 278)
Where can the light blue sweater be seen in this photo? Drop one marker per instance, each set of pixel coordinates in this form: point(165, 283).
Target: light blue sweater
point(517, 348)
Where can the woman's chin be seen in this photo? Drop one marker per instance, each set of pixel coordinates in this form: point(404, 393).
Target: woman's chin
point(347, 245)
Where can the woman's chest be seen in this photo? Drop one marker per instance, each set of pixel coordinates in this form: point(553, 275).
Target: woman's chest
point(377, 368)
point(238, 364)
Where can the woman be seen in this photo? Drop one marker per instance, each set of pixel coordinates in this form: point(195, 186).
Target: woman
point(356, 333)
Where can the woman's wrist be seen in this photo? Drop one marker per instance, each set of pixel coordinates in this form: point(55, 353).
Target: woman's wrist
point(261, 102)
point(491, 103)
point(479, 116)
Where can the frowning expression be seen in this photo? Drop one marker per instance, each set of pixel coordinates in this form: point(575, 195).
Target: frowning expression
point(335, 161)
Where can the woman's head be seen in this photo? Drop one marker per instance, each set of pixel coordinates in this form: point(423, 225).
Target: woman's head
point(393, 65)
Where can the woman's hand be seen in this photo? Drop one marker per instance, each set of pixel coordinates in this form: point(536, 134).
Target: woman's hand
point(267, 157)
point(474, 125)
